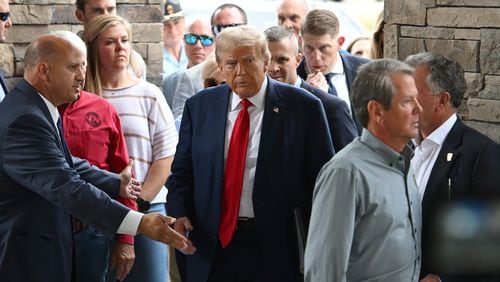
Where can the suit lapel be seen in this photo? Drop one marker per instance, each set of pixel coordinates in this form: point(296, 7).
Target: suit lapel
point(33, 95)
point(272, 125)
point(444, 164)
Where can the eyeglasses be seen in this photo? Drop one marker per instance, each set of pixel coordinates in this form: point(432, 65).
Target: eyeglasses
point(191, 39)
point(4, 16)
point(216, 29)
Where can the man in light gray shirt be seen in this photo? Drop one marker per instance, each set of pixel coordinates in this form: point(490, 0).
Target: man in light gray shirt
point(366, 217)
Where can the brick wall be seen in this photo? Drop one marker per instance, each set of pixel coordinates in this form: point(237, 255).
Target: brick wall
point(35, 17)
point(467, 31)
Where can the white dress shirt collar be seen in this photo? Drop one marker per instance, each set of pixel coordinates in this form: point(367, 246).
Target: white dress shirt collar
point(54, 113)
point(439, 135)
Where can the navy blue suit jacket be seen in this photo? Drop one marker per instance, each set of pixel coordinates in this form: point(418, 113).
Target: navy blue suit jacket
point(40, 188)
point(295, 143)
point(342, 127)
point(474, 171)
point(351, 64)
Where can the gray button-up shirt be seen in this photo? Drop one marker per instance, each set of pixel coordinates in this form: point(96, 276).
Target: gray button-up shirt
point(366, 217)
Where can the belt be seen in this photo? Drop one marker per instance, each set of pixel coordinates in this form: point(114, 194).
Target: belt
point(78, 225)
point(245, 223)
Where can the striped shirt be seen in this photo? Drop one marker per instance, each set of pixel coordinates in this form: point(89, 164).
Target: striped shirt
point(148, 126)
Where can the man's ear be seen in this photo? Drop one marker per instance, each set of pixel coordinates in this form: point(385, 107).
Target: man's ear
point(80, 15)
point(298, 59)
point(42, 69)
point(340, 40)
point(375, 112)
point(444, 100)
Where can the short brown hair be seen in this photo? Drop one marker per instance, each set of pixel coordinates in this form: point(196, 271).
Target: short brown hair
point(320, 22)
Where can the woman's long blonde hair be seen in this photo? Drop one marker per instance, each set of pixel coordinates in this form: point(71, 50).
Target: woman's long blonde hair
point(93, 29)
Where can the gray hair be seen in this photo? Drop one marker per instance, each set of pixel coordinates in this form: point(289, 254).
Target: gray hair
point(373, 82)
point(278, 33)
point(444, 75)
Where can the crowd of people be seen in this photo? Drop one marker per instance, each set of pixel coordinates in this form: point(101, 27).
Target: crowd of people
point(105, 176)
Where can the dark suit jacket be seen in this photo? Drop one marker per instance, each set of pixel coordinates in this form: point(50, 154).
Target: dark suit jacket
point(294, 146)
point(351, 64)
point(474, 171)
point(40, 188)
point(342, 127)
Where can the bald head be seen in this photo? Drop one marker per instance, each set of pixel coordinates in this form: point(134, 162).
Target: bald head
point(55, 65)
point(52, 45)
point(291, 13)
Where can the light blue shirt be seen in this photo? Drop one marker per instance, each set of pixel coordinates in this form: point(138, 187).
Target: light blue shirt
point(171, 65)
point(366, 217)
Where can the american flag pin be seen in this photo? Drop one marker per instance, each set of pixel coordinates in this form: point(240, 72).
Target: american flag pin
point(449, 156)
point(276, 109)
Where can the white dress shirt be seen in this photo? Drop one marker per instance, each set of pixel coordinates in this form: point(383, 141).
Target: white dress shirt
point(256, 112)
point(427, 151)
point(339, 80)
point(130, 223)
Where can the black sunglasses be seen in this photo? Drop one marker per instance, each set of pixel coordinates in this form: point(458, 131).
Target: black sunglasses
point(4, 16)
point(191, 39)
point(216, 29)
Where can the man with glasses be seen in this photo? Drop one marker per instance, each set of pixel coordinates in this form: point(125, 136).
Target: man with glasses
point(5, 24)
point(198, 45)
point(190, 82)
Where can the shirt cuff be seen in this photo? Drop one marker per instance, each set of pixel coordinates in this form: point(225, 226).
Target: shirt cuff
point(130, 223)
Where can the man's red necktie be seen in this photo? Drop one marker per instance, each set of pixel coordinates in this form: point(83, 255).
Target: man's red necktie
point(233, 179)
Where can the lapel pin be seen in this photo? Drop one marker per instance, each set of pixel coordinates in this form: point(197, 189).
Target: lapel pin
point(449, 156)
point(276, 109)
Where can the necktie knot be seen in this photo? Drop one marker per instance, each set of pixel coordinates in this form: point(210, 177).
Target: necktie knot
point(328, 77)
point(245, 104)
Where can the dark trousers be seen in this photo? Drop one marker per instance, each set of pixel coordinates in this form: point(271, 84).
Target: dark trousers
point(241, 260)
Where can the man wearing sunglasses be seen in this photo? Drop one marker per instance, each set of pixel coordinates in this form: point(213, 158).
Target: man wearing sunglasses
point(190, 82)
point(198, 45)
point(5, 24)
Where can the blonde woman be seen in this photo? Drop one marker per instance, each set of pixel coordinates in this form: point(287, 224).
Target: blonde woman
point(148, 126)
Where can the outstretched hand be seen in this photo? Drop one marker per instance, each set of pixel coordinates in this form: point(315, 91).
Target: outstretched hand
point(156, 226)
point(129, 186)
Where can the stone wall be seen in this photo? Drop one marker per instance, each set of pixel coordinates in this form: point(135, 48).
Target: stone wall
point(467, 31)
point(35, 17)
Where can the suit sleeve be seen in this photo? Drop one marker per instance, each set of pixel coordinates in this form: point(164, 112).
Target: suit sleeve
point(33, 159)
point(320, 148)
point(342, 128)
point(180, 183)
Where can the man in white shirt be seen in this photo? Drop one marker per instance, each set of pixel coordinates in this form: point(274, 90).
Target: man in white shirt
point(325, 66)
point(452, 161)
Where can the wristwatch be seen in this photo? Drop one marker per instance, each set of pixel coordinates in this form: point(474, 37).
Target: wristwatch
point(143, 204)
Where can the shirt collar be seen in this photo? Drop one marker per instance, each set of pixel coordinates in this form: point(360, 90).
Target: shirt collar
point(388, 155)
point(338, 68)
point(298, 82)
point(54, 114)
point(439, 135)
point(257, 100)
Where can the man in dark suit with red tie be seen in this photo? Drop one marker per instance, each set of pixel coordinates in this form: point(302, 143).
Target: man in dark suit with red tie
point(325, 66)
point(452, 162)
point(236, 197)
